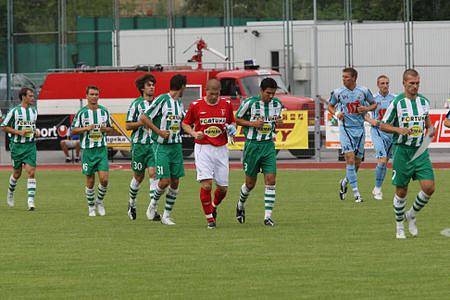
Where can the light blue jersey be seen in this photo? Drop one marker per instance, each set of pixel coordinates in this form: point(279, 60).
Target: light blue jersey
point(347, 101)
point(351, 129)
point(382, 141)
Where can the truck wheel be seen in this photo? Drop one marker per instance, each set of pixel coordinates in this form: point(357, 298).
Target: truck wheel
point(302, 153)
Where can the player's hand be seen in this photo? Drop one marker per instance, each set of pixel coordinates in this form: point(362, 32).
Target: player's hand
point(21, 132)
point(258, 123)
point(404, 131)
point(198, 135)
point(362, 109)
point(431, 132)
point(164, 134)
point(279, 121)
point(37, 133)
point(231, 129)
point(90, 127)
point(339, 115)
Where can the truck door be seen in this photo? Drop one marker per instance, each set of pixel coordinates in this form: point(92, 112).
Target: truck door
point(229, 88)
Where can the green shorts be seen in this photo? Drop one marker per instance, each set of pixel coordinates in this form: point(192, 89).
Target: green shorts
point(142, 157)
point(168, 160)
point(259, 157)
point(404, 171)
point(94, 160)
point(23, 154)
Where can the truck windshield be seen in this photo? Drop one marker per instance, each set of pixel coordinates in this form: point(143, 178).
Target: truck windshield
point(251, 84)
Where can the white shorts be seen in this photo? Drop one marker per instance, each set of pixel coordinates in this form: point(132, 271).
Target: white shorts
point(71, 144)
point(211, 162)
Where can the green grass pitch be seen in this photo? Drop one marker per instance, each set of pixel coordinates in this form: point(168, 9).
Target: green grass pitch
point(321, 248)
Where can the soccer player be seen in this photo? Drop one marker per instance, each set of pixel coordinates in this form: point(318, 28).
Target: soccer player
point(164, 118)
point(142, 151)
point(20, 124)
point(259, 116)
point(407, 117)
point(213, 119)
point(92, 123)
point(349, 104)
point(447, 120)
point(382, 141)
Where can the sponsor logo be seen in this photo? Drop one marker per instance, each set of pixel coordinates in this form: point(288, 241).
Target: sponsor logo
point(211, 121)
point(413, 118)
point(175, 128)
point(62, 131)
point(416, 131)
point(213, 131)
point(266, 128)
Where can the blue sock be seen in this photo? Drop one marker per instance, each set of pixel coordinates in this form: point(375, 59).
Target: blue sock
point(380, 173)
point(351, 176)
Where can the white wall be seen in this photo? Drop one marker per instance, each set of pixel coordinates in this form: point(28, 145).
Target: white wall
point(378, 48)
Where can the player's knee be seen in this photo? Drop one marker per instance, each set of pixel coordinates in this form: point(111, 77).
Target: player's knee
point(207, 186)
point(429, 190)
point(163, 183)
point(223, 189)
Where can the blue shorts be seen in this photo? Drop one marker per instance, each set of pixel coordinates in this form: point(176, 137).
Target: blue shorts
point(352, 140)
point(382, 143)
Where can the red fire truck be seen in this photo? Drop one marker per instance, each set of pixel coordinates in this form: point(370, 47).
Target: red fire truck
point(63, 92)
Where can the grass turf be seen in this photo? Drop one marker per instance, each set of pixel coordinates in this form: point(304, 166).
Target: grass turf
point(321, 247)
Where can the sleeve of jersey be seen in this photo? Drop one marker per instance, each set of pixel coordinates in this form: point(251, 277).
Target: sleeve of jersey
point(108, 122)
point(189, 117)
point(333, 98)
point(231, 118)
point(76, 121)
point(369, 97)
point(390, 114)
point(154, 108)
point(131, 114)
point(242, 110)
point(8, 119)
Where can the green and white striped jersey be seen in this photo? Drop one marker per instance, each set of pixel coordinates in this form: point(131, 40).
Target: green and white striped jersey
point(100, 118)
point(21, 118)
point(254, 108)
point(166, 113)
point(407, 113)
point(136, 109)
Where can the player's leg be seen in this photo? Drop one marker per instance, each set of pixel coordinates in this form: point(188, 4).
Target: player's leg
point(251, 164)
point(204, 165)
point(138, 166)
point(103, 175)
point(424, 173)
point(31, 185)
point(162, 170)
point(221, 174)
point(401, 175)
point(90, 193)
point(65, 149)
point(17, 172)
point(176, 171)
point(77, 150)
point(348, 149)
point(382, 145)
point(29, 161)
point(269, 168)
point(380, 174)
point(351, 175)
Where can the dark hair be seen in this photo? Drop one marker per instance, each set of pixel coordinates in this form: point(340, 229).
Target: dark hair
point(23, 92)
point(410, 72)
point(352, 72)
point(268, 83)
point(177, 82)
point(91, 87)
point(141, 81)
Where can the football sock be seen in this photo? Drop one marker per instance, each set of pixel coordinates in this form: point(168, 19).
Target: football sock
point(101, 192)
point(171, 197)
point(243, 196)
point(421, 200)
point(219, 195)
point(205, 198)
point(399, 208)
point(133, 191)
point(351, 176)
point(31, 189)
point(269, 200)
point(153, 185)
point(380, 173)
point(157, 195)
point(12, 184)
point(90, 196)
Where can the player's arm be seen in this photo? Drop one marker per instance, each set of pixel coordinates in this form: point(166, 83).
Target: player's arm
point(372, 103)
point(389, 118)
point(188, 121)
point(7, 125)
point(76, 127)
point(332, 106)
point(107, 128)
point(243, 116)
point(132, 121)
point(431, 131)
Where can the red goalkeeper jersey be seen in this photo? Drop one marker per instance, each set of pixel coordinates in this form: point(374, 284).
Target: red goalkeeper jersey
point(211, 120)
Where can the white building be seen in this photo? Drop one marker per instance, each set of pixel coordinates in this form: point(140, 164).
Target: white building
point(378, 48)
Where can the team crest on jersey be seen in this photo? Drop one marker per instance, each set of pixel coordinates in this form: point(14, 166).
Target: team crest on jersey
point(223, 111)
point(213, 131)
point(266, 128)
